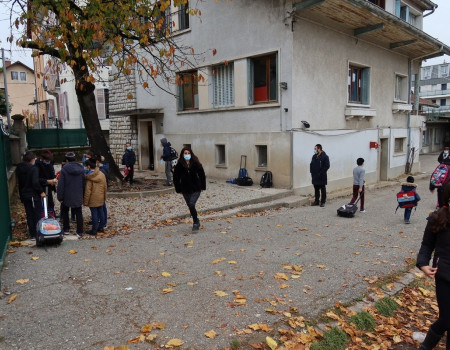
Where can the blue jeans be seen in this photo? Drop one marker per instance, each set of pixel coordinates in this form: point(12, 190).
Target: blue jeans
point(105, 212)
point(408, 212)
point(98, 218)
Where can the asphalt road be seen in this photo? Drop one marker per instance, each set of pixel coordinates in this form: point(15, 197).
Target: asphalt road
point(104, 293)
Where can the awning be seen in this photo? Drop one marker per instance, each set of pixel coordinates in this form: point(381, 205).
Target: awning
point(362, 19)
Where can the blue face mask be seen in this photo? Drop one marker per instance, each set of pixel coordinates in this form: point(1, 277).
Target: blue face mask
point(187, 157)
point(86, 170)
point(46, 162)
point(315, 151)
point(129, 148)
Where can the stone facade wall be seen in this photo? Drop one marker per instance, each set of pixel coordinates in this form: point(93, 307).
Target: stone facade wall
point(123, 128)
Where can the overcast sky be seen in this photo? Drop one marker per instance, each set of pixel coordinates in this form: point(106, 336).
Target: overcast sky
point(436, 25)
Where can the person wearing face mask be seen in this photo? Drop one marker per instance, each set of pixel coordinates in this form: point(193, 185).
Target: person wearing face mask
point(189, 179)
point(47, 178)
point(128, 159)
point(444, 158)
point(320, 163)
point(358, 183)
point(31, 191)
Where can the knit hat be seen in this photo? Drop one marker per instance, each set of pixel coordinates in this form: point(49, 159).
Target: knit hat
point(47, 155)
point(410, 179)
point(163, 140)
point(70, 156)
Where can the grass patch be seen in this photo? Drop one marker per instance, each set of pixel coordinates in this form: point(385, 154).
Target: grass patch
point(333, 339)
point(386, 306)
point(363, 321)
point(235, 344)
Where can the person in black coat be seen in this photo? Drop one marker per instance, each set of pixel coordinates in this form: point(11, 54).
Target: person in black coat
point(189, 179)
point(320, 163)
point(129, 159)
point(31, 191)
point(70, 192)
point(444, 158)
point(47, 176)
point(437, 238)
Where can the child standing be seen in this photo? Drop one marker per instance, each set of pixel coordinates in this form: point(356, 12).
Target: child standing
point(128, 159)
point(358, 183)
point(95, 196)
point(410, 186)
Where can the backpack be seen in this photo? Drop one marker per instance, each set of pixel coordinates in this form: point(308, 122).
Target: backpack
point(406, 199)
point(266, 180)
point(440, 175)
point(173, 154)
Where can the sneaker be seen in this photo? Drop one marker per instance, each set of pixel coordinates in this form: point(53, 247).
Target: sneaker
point(33, 238)
point(79, 234)
point(101, 230)
point(106, 226)
point(315, 203)
point(91, 233)
point(362, 211)
point(407, 222)
point(196, 225)
point(66, 232)
point(322, 205)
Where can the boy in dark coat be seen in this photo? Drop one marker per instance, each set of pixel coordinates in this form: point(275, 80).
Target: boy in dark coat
point(30, 191)
point(70, 192)
point(410, 186)
point(47, 176)
point(167, 158)
point(320, 163)
point(128, 159)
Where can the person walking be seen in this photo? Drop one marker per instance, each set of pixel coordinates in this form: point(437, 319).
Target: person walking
point(410, 186)
point(167, 159)
point(70, 191)
point(31, 191)
point(95, 196)
point(443, 158)
point(189, 179)
point(320, 163)
point(436, 238)
point(47, 177)
point(358, 183)
point(129, 159)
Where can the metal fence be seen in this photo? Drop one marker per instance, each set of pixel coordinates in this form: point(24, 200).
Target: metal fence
point(55, 138)
point(5, 214)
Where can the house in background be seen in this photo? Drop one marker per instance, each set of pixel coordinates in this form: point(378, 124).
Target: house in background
point(20, 82)
point(293, 74)
point(434, 86)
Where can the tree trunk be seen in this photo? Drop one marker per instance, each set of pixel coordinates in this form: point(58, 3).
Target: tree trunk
point(86, 100)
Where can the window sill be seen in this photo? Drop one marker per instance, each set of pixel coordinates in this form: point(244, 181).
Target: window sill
point(222, 166)
point(212, 110)
point(399, 154)
point(359, 112)
point(261, 168)
point(181, 32)
point(401, 107)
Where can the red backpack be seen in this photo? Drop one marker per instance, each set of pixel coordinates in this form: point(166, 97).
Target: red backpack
point(440, 175)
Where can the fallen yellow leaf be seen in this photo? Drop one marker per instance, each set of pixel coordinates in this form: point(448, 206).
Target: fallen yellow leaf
point(166, 274)
point(34, 258)
point(219, 293)
point(151, 337)
point(279, 225)
point(321, 266)
point(281, 276)
point(424, 291)
point(254, 326)
point(271, 343)
point(23, 281)
point(218, 260)
point(167, 290)
point(211, 334)
point(232, 262)
point(140, 271)
point(87, 260)
point(397, 339)
point(13, 297)
point(174, 342)
point(72, 251)
point(147, 328)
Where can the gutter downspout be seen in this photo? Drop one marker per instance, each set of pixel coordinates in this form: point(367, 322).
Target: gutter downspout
point(408, 123)
point(435, 6)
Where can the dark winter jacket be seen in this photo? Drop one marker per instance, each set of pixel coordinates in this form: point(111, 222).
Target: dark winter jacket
point(189, 179)
point(443, 160)
point(166, 156)
point(46, 172)
point(129, 158)
point(411, 187)
point(318, 168)
point(440, 244)
point(28, 180)
point(71, 185)
point(105, 169)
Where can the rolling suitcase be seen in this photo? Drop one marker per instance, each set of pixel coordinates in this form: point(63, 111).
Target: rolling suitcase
point(348, 210)
point(242, 168)
point(48, 228)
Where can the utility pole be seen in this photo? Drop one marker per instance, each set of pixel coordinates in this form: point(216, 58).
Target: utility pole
point(6, 91)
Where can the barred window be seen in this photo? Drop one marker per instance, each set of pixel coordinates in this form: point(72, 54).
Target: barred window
point(224, 85)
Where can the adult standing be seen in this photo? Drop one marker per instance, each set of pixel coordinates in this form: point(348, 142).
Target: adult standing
point(70, 192)
point(443, 158)
point(129, 159)
point(189, 179)
point(437, 238)
point(47, 176)
point(358, 183)
point(320, 163)
point(31, 191)
point(167, 158)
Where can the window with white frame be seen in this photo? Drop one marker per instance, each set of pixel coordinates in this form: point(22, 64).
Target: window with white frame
point(262, 79)
point(426, 73)
point(188, 91)
point(400, 88)
point(358, 84)
point(23, 76)
point(399, 144)
point(261, 156)
point(102, 103)
point(220, 155)
point(444, 71)
point(223, 81)
point(14, 75)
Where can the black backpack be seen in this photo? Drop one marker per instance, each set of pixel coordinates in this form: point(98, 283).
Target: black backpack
point(173, 154)
point(266, 180)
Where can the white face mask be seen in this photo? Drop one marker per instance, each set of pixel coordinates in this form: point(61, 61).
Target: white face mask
point(446, 153)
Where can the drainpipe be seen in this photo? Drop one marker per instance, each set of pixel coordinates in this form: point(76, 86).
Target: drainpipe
point(432, 10)
point(408, 123)
point(291, 185)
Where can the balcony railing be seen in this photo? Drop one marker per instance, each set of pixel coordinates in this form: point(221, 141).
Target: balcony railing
point(436, 113)
point(434, 93)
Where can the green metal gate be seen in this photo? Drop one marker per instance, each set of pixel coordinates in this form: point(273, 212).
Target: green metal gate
point(56, 138)
point(5, 214)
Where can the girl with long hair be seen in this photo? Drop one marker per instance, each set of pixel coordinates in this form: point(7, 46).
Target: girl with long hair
point(437, 238)
point(189, 179)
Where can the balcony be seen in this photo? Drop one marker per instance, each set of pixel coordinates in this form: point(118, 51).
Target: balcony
point(434, 93)
point(436, 113)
